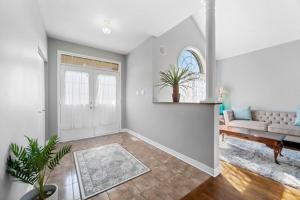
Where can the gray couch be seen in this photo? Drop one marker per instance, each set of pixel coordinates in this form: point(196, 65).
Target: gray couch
point(271, 121)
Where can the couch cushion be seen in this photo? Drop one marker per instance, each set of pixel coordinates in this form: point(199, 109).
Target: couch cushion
point(255, 125)
point(274, 117)
point(284, 129)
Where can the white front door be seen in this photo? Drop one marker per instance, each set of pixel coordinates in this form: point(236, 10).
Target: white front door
point(89, 104)
point(106, 103)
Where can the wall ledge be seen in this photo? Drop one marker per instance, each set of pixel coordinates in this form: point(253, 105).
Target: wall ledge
point(192, 103)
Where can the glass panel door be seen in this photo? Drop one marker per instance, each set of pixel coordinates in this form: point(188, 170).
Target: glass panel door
point(76, 103)
point(89, 102)
point(106, 103)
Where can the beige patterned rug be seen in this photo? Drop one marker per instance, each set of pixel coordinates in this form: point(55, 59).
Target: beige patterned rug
point(99, 169)
point(259, 158)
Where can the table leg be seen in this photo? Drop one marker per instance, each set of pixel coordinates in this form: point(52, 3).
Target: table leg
point(223, 134)
point(281, 147)
point(277, 150)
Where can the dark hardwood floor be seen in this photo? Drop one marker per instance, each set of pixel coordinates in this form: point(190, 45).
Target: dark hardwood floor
point(236, 183)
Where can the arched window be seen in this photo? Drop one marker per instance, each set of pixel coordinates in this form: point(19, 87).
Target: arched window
point(192, 59)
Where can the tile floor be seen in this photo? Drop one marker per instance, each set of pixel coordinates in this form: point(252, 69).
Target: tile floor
point(169, 178)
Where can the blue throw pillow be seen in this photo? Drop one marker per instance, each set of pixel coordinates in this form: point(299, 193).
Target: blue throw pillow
point(243, 113)
point(221, 109)
point(297, 122)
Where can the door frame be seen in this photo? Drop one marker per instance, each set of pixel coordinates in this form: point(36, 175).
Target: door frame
point(44, 110)
point(59, 53)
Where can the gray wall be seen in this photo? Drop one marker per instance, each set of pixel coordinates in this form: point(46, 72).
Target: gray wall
point(53, 46)
point(21, 33)
point(185, 34)
point(265, 79)
point(186, 128)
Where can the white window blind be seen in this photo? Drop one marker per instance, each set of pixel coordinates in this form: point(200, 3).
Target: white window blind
point(83, 62)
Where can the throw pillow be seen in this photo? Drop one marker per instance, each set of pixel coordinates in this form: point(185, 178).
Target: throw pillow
point(242, 113)
point(297, 122)
point(221, 109)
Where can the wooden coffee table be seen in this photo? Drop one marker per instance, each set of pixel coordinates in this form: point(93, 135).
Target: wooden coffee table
point(272, 140)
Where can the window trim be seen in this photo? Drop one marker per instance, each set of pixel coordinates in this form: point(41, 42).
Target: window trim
point(198, 55)
point(202, 64)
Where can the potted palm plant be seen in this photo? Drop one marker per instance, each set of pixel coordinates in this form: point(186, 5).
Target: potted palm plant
point(31, 163)
point(177, 78)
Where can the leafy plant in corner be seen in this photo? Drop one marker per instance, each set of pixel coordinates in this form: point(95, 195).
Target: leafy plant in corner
point(177, 78)
point(30, 164)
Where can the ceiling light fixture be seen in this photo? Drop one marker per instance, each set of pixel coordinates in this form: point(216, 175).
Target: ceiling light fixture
point(106, 29)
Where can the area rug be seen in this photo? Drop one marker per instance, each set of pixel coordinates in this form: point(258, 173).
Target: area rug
point(99, 169)
point(259, 158)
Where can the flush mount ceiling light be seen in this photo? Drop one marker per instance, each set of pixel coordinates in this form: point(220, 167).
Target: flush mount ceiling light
point(203, 2)
point(106, 29)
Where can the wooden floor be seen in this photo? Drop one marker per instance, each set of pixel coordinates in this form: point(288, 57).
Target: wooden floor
point(236, 183)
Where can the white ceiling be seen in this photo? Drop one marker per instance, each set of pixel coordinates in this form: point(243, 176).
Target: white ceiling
point(243, 26)
point(133, 21)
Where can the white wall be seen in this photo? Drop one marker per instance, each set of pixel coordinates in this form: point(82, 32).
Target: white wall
point(185, 128)
point(53, 46)
point(20, 34)
point(265, 79)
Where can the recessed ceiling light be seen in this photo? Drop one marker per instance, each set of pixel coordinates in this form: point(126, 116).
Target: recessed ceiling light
point(106, 29)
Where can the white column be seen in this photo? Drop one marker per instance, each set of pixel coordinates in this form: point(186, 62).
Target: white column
point(210, 48)
point(210, 61)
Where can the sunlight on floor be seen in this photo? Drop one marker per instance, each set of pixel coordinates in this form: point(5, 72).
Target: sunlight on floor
point(289, 195)
point(241, 182)
point(236, 178)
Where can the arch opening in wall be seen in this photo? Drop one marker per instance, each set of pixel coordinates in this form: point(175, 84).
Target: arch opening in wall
point(192, 58)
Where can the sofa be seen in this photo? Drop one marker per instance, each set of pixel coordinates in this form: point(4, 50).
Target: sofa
point(270, 121)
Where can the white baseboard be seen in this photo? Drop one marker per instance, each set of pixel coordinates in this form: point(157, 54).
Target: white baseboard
point(203, 167)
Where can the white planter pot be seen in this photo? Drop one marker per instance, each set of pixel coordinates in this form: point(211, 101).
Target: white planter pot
point(33, 193)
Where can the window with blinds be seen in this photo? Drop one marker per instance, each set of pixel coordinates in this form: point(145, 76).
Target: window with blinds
point(75, 60)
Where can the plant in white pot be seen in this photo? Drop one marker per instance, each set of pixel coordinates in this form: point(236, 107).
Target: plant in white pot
point(31, 163)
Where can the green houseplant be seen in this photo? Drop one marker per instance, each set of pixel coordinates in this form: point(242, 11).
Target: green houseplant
point(177, 78)
point(30, 164)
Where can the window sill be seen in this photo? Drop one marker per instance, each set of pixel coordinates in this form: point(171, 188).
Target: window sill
point(201, 102)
